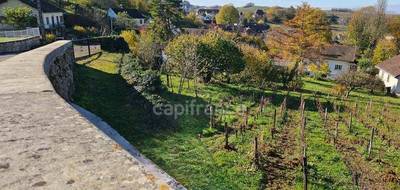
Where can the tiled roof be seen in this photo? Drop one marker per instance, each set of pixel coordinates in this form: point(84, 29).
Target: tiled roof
point(46, 6)
point(391, 66)
point(340, 52)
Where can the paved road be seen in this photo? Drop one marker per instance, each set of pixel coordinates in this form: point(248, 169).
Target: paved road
point(6, 56)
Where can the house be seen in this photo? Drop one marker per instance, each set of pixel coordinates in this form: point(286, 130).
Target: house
point(137, 16)
point(53, 17)
point(340, 58)
point(389, 73)
point(207, 15)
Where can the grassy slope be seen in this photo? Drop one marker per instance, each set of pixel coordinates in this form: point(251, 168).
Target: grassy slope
point(203, 163)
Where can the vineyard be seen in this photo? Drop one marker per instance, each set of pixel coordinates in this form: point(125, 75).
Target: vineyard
point(257, 139)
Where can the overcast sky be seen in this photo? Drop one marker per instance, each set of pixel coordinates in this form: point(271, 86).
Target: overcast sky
point(286, 3)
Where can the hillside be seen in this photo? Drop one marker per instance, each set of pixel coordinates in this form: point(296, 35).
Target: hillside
point(198, 157)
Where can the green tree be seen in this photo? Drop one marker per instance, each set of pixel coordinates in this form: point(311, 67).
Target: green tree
point(184, 58)
point(222, 54)
point(227, 15)
point(384, 50)
point(191, 21)
point(259, 69)
point(19, 17)
point(367, 26)
point(167, 15)
point(141, 5)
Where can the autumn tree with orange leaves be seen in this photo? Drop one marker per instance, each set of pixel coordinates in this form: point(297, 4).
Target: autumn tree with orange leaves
point(300, 40)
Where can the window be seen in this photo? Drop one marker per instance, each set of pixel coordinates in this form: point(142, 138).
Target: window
point(338, 67)
point(61, 19)
point(52, 20)
point(388, 78)
point(58, 20)
point(47, 21)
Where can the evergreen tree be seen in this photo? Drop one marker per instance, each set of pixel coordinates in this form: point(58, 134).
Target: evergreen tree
point(166, 15)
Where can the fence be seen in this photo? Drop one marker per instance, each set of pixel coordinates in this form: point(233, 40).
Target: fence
point(90, 46)
point(20, 33)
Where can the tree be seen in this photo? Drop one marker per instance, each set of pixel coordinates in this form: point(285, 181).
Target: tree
point(364, 63)
point(353, 80)
point(279, 14)
point(191, 21)
point(185, 59)
point(394, 29)
point(19, 17)
point(148, 51)
point(141, 78)
point(385, 49)
point(259, 68)
point(367, 26)
point(248, 18)
point(300, 40)
point(131, 39)
point(222, 54)
point(227, 15)
point(167, 15)
point(303, 37)
point(141, 5)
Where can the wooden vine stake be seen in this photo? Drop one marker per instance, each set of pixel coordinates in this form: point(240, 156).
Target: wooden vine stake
point(273, 125)
point(226, 136)
point(356, 109)
point(256, 159)
point(336, 132)
point(304, 162)
point(326, 118)
point(211, 116)
point(246, 118)
point(351, 122)
point(371, 142)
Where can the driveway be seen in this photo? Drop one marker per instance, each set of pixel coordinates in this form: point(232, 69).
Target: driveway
point(6, 56)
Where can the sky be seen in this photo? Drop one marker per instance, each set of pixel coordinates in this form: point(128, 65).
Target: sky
point(324, 4)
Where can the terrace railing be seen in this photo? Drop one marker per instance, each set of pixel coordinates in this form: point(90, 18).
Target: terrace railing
point(29, 32)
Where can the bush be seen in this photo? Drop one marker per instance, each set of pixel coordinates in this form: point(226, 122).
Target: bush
point(131, 39)
point(80, 31)
point(319, 71)
point(141, 79)
point(114, 44)
point(208, 132)
point(48, 38)
point(338, 90)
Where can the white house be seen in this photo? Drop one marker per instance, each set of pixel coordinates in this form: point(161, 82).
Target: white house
point(340, 58)
point(137, 16)
point(53, 17)
point(389, 73)
point(207, 15)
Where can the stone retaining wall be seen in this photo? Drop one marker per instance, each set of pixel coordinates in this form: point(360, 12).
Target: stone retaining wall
point(46, 143)
point(20, 45)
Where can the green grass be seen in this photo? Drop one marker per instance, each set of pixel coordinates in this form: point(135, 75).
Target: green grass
point(7, 39)
point(203, 163)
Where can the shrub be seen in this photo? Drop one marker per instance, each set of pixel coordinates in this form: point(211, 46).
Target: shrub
point(208, 132)
point(339, 90)
point(48, 38)
point(114, 44)
point(80, 31)
point(143, 80)
point(131, 39)
point(319, 71)
point(19, 17)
